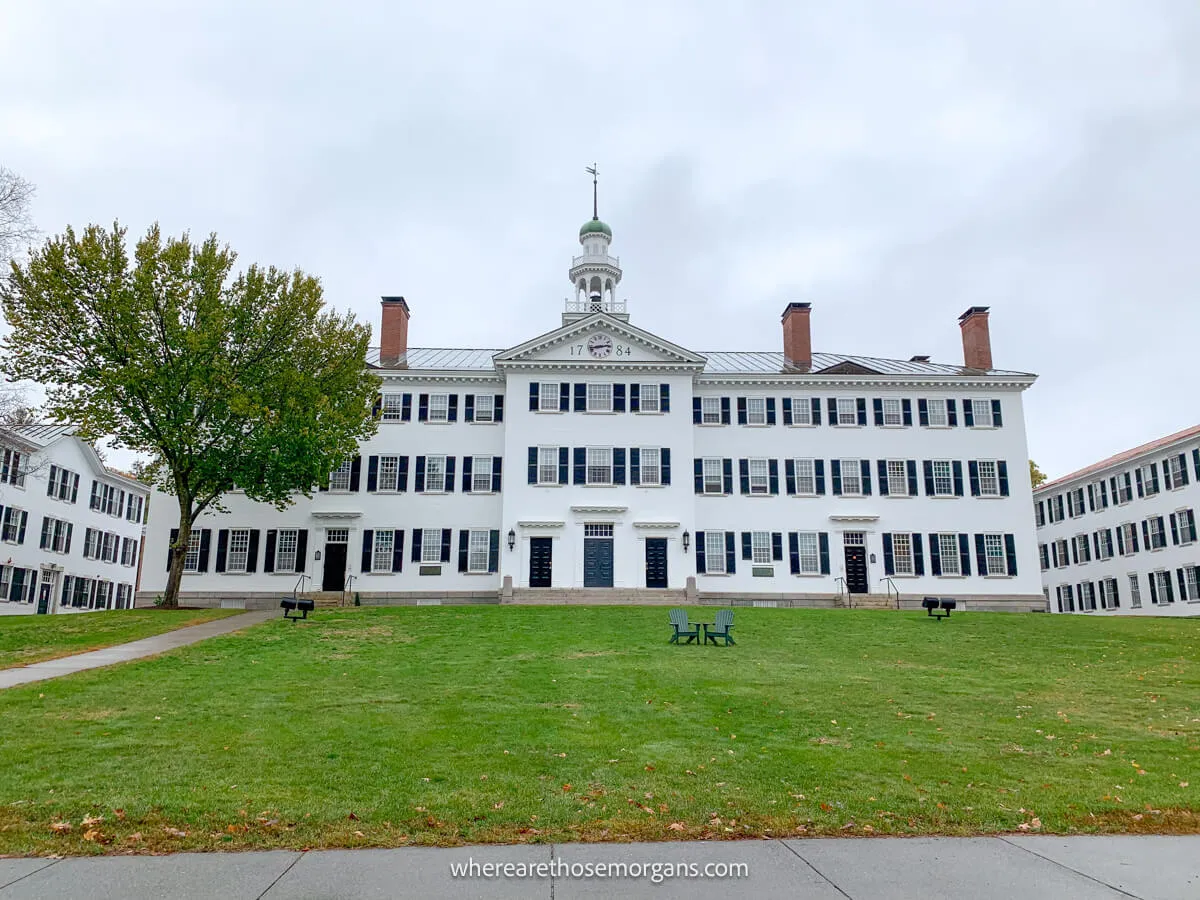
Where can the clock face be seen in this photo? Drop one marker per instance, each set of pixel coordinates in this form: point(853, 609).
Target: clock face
point(600, 345)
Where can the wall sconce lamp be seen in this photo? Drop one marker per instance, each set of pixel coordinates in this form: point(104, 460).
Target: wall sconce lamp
point(872, 557)
point(687, 540)
point(512, 539)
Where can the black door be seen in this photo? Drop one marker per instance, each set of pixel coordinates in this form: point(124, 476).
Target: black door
point(44, 594)
point(656, 562)
point(856, 570)
point(597, 562)
point(334, 578)
point(541, 554)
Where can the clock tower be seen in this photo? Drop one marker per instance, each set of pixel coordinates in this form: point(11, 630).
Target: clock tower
point(595, 274)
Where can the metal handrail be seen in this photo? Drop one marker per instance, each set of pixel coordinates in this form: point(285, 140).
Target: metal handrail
point(349, 582)
point(891, 587)
point(299, 587)
point(843, 592)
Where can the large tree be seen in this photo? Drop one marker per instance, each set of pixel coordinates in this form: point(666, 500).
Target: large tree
point(16, 222)
point(226, 380)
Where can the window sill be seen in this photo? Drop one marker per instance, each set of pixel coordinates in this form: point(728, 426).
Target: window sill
point(718, 574)
point(801, 425)
point(712, 424)
point(713, 494)
point(554, 484)
point(476, 573)
point(394, 421)
point(438, 422)
point(840, 425)
point(959, 576)
point(602, 412)
point(484, 423)
point(601, 485)
point(242, 573)
point(650, 485)
point(893, 425)
point(998, 576)
point(481, 493)
point(389, 492)
point(549, 412)
point(938, 427)
point(648, 412)
point(756, 424)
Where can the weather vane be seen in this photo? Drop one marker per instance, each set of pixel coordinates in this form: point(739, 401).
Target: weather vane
point(594, 170)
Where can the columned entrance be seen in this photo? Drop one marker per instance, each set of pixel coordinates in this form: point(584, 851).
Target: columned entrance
point(656, 562)
point(857, 581)
point(598, 555)
point(334, 559)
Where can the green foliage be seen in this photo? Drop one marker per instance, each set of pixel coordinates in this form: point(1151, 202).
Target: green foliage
point(1036, 476)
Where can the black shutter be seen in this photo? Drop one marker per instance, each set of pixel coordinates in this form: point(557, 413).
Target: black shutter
point(469, 408)
point(534, 396)
point(564, 396)
point(580, 397)
point(997, 420)
point(747, 546)
point(831, 404)
point(496, 466)
point(580, 465)
point(355, 473)
point(402, 476)
point(422, 407)
point(956, 468)
point(906, 406)
point(301, 550)
point(418, 539)
point(725, 418)
point(835, 476)
point(618, 398)
point(447, 535)
point(468, 464)
point(448, 481)
point(816, 411)
point(419, 476)
point(1002, 470)
point(777, 546)
point(698, 469)
point(697, 416)
point(744, 475)
point(498, 408)
point(865, 474)
point(877, 403)
point(564, 464)
point(741, 410)
point(464, 539)
point(635, 398)
point(222, 547)
point(406, 407)
point(787, 410)
point(730, 553)
point(494, 550)
point(47, 531)
point(968, 413)
point(635, 464)
point(964, 554)
point(1010, 553)
point(819, 476)
point(918, 554)
point(973, 475)
point(1146, 535)
point(930, 488)
point(532, 476)
point(664, 398)
point(823, 545)
point(883, 479)
point(377, 406)
point(269, 552)
point(452, 411)
point(372, 474)
point(794, 552)
point(398, 550)
point(727, 475)
point(252, 551)
point(980, 555)
point(170, 544)
point(700, 564)
point(935, 555)
point(862, 410)
point(951, 411)
point(368, 548)
point(889, 561)
point(789, 476)
point(75, 483)
point(770, 410)
point(773, 477)
point(205, 546)
point(911, 465)
point(664, 465)
point(923, 411)
point(618, 458)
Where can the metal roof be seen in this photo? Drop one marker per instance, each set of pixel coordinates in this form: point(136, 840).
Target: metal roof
point(1122, 457)
point(719, 362)
point(40, 434)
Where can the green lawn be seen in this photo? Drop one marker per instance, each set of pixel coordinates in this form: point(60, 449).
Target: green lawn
point(30, 639)
point(378, 727)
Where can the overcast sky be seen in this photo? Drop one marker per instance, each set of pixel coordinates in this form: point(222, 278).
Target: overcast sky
point(891, 162)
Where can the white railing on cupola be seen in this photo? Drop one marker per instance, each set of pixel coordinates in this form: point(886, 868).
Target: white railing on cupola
point(595, 304)
point(596, 259)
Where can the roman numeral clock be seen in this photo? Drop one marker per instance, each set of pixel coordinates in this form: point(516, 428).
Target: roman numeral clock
point(600, 346)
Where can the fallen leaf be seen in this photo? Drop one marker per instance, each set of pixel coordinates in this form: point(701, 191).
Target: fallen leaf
point(119, 813)
point(677, 826)
point(499, 805)
point(134, 838)
point(359, 834)
point(60, 827)
point(89, 821)
point(352, 817)
point(174, 832)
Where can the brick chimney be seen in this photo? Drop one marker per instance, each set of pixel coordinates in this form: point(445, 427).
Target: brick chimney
point(797, 337)
point(393, 331)
point(977, 342)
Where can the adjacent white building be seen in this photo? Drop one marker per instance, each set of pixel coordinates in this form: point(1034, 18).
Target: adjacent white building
point(597, 461)
point(1119, 537)
point(70, 528)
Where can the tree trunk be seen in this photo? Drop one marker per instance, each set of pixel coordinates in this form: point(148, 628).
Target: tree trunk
point(178, 556)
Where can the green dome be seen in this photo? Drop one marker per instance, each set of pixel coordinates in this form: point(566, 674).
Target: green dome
point(595, 226)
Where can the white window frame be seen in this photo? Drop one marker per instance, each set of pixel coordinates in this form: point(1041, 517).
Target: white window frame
point(439, 408)
point(13, 473)
point(1191, 584)
point(845, 419)
point(802, 411)
point(339, 478)
point(938, 413)
point(713, 473)
point(1087, 597)
point(943, 478)
point(1157, 529)
point(1185, 517)
point(1135, 591)
point(756, 410)
point(431, 551)
point(383, 547)
point(439, 471)
point(599, 466)
point(191, 559)
point(808, 546)
point(806, 477)
point(645, 455)
point(485, 408)
point(481, 468)
point(760, 476)
point(981, 414)
point(1105, 543)
point(760, 548)
point(1149, 481)
point(237, 555)
point(851, 477)
point(714, 556)
point(547, 472)
point(1064, 553)
point(285, 550)
point(949, 540)
point(599, 397)
point(128, 551)
point(1128, 533)
point(548, 396)
point(995, 560)
point(902, 553)
point(710, 410)
point(893, 411)
point(645, 402)
point(902, 466)
point(387, 476)
point(135, 506)
point(1162, 579)
point(479, 549)
point(989, 477)
point(392, 407)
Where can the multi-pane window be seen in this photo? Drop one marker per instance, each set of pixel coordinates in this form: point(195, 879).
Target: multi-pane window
point(238, 555)
point(1044, 553)
point(943, 478)
point(128, 552)
point(981, 412)
point(759, 476)
point(902, 557)
point(714, 480)
point(133, 509)
point(285, 550)
point(806, 477)
point(599, 397)
point(1185, 522)
point(548, 396)
point(1128, 541)
point(1191, 583)
point(1135, 591)
point(989, 480)
point(1162, 587)
point(11, 529)
point(191, 559)
point(801, 411)
point(60, 482)
point(439, 407)
point(1087, 596)
point(651, 471)
point(339, 478)
point(1066, 598)
point(1104, 544)
point(893, 413)
point(478, 547)
point(393, 406)
point(1083, 548)
point(1173, 470)
point(1122, 488)
point(1060, 551)
point(937, 413)
point(1158, 536)
point(388, 478)
point(756, 411)
point(847, 411)
point(382, 550)
point(485, 408)
point(11, 471)
point(808, 545)
point(481, 474)
point(435, 474)
point(948, 553)
point(649, 398)
point(760, 547)
point(599, 465)
point(851, 476)
point(112, 546)
point(1099, 492)
point(547, 465)
point(897, 477)
point(1149, 479)
point(714, 552)
point(993, 550)
point(56, 535)
point(710, 410)
point(1108, 593)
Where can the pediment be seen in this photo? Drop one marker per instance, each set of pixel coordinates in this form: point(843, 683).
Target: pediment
point(846, 368)
point(599, 339)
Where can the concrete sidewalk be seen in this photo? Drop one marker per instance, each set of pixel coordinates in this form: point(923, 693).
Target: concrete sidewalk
point(151, 646)
point(994, 868)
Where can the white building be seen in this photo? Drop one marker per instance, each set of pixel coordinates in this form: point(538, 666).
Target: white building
point(1119, 537)
point(598, 462)
point(70, 528)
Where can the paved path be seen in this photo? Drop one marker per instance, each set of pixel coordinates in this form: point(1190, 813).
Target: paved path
point(995, 868)
point(151, 646)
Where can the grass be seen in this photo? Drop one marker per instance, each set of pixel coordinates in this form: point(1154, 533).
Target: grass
point(382, 727)
point(30, 639)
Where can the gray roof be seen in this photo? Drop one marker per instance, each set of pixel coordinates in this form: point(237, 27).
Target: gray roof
point(41, 434)
point(720, 362)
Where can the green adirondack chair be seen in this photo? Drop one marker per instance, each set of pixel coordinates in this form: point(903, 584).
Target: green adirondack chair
point(722, 625)
point(679, 622)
